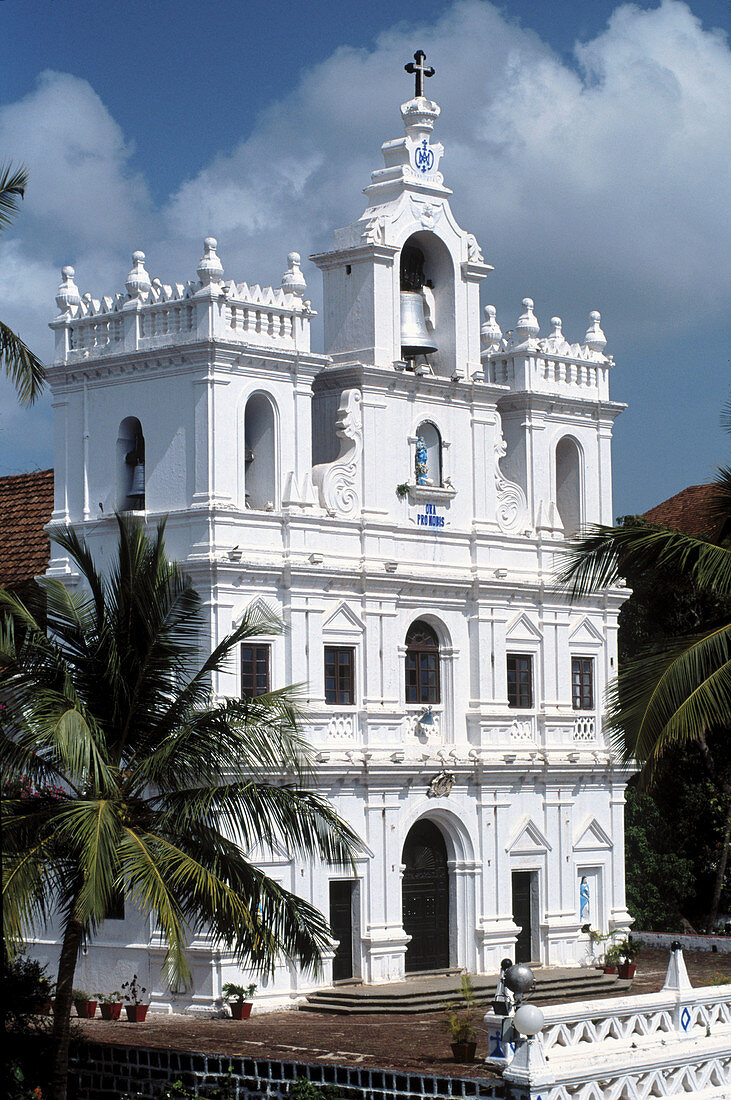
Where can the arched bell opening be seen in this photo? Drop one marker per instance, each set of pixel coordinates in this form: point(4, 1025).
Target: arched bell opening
point(425, 898)
point(568, 486)
point(426, 288)
point(260, 453)
point(130, 466)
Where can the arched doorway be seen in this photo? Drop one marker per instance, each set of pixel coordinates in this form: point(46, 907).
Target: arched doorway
point(425, 898)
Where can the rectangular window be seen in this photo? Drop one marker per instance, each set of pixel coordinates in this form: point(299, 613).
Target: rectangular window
point(582, 683)
point(115, 908)
point(520, 681)
point(255, 665)
point(339, 675)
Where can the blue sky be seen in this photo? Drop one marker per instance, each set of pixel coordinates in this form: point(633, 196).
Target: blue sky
point(585, 143)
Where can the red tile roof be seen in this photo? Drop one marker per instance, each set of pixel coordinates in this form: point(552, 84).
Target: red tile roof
point(26, 503)
point(687, 511)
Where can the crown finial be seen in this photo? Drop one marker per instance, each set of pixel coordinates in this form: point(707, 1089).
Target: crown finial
point(595, 339)
point(527, 327)
point(293, 281)
point(138, 280)
point(210, 268)
point(490, 332)
point(67, 294)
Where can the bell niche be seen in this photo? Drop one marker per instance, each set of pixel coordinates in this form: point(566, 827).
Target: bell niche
point(416, 298)
point(427, 298)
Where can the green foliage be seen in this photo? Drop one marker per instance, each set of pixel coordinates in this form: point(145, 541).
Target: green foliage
point(113, 998)
point(657, 877)
point(24, 987)
point(24, 990)
point(302, 1089)
point(178, 1090)
point(237, 994)
point(460, 1020)
point(402, 490)
point(80, 995)
point(164, 788)
point(19, 363)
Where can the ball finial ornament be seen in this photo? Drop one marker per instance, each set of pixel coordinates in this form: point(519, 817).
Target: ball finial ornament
point(520, 979)
point(527, 327)
point(210, 268)
point(293, 281)
point(490, 332)
point(138, 281)
point(595, 339)
point(67, 294)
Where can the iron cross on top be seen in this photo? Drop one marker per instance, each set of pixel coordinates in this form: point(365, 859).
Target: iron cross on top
point(420, 70)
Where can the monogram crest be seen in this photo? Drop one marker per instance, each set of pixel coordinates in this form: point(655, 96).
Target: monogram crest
point(424, 157)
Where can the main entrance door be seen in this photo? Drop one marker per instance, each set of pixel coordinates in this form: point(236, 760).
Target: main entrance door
point(341, 925)
point(525, 905)
point(426, 898)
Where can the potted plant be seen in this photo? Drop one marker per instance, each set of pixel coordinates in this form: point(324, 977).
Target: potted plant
point(629, 949)
point(611, 958)
point(84, 1004)
point(239, 999)
point(45, 991)
point(136, 1006)
point(110, 1005)
point(460, 1024)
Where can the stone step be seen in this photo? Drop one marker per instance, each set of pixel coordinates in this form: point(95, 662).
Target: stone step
point(431, 995)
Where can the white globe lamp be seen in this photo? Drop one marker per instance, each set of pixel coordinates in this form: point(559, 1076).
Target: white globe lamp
point(528, 1020)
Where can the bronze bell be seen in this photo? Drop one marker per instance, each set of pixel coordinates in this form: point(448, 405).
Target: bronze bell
point(415, 336)
point(137, 488)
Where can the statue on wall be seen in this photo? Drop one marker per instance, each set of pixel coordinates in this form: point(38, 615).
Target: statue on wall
point(422, 468)
point(584, 899)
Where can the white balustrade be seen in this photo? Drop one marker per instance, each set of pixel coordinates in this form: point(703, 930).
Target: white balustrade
point(673, 1043)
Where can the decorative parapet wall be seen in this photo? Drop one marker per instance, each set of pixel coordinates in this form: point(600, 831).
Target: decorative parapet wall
point(673, 1043)
point(150, 314)
point(522, 360)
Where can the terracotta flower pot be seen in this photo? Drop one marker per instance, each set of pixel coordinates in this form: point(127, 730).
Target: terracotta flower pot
point(464, 1052)
point(609, 969)
point(136, 1013)
point(626, 970)
point(111, 1010)
point(44, 1008)
point(86, 1009)
point(241, 1011)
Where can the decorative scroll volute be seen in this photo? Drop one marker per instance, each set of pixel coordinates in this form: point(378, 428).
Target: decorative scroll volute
point(338, 482)
point(512, 507)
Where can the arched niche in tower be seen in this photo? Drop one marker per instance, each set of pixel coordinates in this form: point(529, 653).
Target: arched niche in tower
point(426, 267)
point(568, 485)
point(260, 453)
point(130, 487)
point(428, 433)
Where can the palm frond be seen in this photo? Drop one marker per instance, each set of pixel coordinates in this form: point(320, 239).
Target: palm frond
point(24, 369)
point(671, 696)
point(595, 561)
point(13, 182)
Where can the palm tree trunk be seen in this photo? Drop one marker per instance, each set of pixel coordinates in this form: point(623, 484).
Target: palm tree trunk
point(722, 864)
point(62, 1008)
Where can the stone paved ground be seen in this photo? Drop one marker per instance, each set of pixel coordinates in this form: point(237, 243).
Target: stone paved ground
point(417, 1044)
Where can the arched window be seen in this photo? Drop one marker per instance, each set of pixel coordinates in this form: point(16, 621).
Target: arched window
point(130, 466)
point(422, 664)
point(568, 486)
point(428, 465)
point(259, 453)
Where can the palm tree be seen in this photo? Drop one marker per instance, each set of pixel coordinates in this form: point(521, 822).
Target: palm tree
point(142, 782)
point(681, 691)
point(19, 363)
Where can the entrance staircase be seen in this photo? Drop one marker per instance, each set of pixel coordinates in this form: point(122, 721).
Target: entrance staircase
point(430, 992)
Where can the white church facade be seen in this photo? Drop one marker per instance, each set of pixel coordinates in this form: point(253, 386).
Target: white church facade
point(402, 501)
